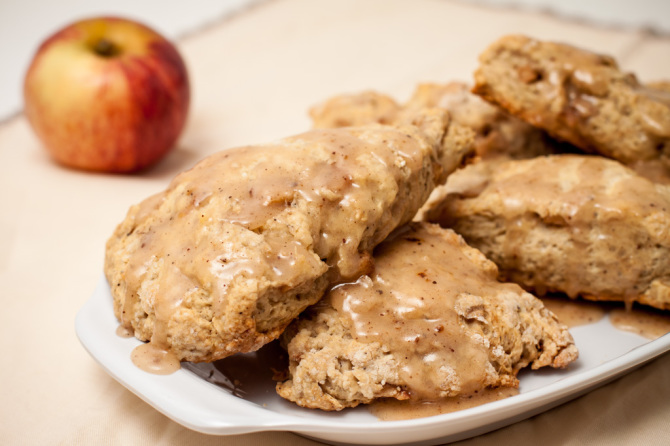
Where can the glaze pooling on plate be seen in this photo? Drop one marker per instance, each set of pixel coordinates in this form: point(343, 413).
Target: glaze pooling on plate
point(605, 353)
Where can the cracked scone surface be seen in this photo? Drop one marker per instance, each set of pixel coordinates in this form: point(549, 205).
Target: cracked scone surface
point(577, 96)
point(239, 245)
point(494, 132)
point(347, 110)
point(582, 225)
point(432, 321)
point(497, 133)
point(371, 107)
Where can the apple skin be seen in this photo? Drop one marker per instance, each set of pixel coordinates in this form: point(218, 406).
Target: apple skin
point(107, 94)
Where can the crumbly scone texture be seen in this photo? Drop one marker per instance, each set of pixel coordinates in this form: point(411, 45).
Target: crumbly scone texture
point(577, 96)
point(661, 85)
point(371, 107)
point(349, 110)
point(332, 369)
point(464, 182)
point(238, 246)
point(582, 225)
point(496, 132)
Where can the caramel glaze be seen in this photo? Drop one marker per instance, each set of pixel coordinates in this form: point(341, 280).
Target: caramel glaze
point(574, 313)
point(654, 115)
point(578, 80)
point(408, 306)
point(644, 321)
point(592, 200)
point(123, 332)
point(648, 323)
point(328, 176)
point(389, 409)
point(154, 359)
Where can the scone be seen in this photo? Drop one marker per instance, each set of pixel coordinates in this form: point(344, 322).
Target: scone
point(659, 85)
point(496, 132)
point(581, 225)
point(371, 107)
point(239, 245)
point(349, 110)
point(430, 322)
point(579, 97)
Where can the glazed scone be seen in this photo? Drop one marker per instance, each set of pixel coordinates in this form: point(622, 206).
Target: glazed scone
point(653, 169)
point(581, 225)
point(431, 322)
point(468, 180)
point(349, 110)
point(663, 85)
point(370, 107)
point(238, 246)
point(496, 133)
point(577, 96)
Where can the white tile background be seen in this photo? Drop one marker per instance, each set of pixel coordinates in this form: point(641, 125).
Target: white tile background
point(25, 23)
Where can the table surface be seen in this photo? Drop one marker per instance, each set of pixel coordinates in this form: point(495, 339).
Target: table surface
point(254, 76)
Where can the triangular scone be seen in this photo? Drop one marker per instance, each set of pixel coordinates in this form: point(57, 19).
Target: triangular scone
point(432, 321)
point(370, 107)
point(496, 132)
point(582, 225)
point(347, 110)
point(239, 245)
point(578, 96)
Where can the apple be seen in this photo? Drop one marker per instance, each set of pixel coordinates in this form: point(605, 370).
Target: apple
point(107, 94)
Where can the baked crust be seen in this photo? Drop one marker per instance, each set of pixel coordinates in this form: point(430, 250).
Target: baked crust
point(579, 97)
point(582, 225)
point(468, 338)
point(496, 132)
point(238, 246)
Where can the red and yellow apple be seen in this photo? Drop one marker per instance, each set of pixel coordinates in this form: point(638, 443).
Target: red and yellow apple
point(107, 94)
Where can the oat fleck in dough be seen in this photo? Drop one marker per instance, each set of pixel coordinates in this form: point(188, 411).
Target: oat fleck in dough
point(431, 322)
point(582, 225)
point(238, 246)
point(580, 97)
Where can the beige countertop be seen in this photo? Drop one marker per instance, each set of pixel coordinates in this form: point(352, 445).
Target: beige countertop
point(254, 76)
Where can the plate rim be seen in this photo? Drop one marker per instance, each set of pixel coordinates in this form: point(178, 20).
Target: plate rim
point(95, 310)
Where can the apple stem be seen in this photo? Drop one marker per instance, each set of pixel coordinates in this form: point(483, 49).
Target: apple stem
point(105, 48)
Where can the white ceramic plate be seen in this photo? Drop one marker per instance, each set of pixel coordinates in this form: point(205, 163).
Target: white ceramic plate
point(210, 406)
